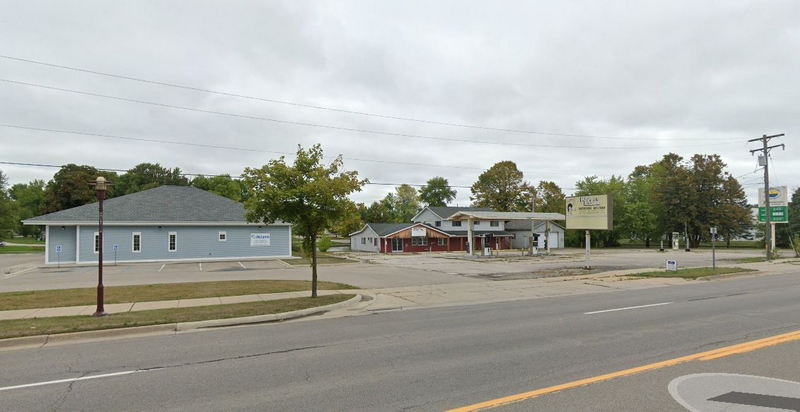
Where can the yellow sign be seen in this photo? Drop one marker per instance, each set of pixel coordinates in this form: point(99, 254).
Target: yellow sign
point(590, 212)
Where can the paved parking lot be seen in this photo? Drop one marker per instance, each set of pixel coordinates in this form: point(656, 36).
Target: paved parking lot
point(374, 270)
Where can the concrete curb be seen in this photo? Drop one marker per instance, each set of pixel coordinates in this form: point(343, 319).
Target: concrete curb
point(213, 323)
point(38, 341)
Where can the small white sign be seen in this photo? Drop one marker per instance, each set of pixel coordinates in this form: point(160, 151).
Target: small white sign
point(259, 239)
point(672, 265)
point(418, 232)
point(116, 247)
point(713, 230)
point(58, 248)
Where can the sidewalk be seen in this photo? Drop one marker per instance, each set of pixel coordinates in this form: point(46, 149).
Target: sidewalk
point(152, 305)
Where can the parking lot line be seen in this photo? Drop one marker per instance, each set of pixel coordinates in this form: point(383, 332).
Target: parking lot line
point(161, 268)
point(201, 266)
point(242, 265)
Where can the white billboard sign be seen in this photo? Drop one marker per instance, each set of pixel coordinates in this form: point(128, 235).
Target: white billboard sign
point(418, 232)
point(778, 196)
point(590, 212)
point(259, 239)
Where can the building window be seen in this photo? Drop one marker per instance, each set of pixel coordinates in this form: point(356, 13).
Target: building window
point(438, 223)
point(96, 242)
point(477, 222)
point(442, 241)
point(419, 241)
point(494, 223)
point(456, 223)
point(136, 242)
point(223, 236)
point(172, 243)
point(376, 241)
point(363, 241)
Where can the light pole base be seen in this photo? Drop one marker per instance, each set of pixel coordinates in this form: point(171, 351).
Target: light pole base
point(99, 314)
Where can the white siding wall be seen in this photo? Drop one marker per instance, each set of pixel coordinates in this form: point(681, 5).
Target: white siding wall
point(430, 218)
point(370, 244)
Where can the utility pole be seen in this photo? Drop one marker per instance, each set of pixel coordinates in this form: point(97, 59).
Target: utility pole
point(768, 232)
point(534, 250)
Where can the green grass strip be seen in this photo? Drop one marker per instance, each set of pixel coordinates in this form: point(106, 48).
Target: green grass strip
point(65, 324)
point(20, 249)
point(693, 273)
point(52, 298)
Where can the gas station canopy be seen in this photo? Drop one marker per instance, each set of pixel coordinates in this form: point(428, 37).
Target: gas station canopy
point(505, 216)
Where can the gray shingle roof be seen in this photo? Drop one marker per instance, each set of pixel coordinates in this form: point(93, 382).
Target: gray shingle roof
point(383, 229)
point(160, 204)
point(446, 211)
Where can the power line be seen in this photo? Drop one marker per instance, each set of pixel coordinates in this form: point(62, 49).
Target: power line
point(328, 108)
point(332, 127)
point(238, 148)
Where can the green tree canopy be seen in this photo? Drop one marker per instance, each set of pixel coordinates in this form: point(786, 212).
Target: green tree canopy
point(222, 185)
point(147, 176)
point(550, 198)
point(70, 187)
point(502, 188)
point(29, 201)
point(308, 194)
point(437, 192)
point(7, 212)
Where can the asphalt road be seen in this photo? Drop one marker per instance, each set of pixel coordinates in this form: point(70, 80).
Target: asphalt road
point(426, 359)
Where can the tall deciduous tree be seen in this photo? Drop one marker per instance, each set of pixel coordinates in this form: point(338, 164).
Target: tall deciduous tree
point(28, 199)
point(308, 194)
point(550, 198)
point(638, 219)
point(222, 185)
point(70, 187)
point(350, 220)
point(406, 203)
point(7, 212)
point(437, 192)
point(147, 176)
point(502, 188)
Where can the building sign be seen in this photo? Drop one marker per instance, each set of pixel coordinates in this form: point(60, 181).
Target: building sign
point(778, 205)
point(672, 265)
point(778, 196)
point(259, 239)
point(418, 232)
point(590, 212)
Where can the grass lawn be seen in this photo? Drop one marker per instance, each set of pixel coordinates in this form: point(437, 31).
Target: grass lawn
point(144, 293)
point(21, 249)
point(64, 324)
point(25, 241)
point(693, 273)
point(323, 259)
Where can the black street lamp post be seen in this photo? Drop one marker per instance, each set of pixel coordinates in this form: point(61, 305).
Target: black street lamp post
point(100, 186)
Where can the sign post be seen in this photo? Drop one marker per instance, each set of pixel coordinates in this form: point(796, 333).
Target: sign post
point(58, 255)
point(713, 248)
point(590, 213)
point(115, 254)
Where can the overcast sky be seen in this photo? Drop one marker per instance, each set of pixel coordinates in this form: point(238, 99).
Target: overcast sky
point(649, 77)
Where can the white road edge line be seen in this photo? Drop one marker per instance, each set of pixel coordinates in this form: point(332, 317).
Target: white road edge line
point(629, 307)
point(242, 265)
point(82, 378)
point(201, 266)
point(161, 268)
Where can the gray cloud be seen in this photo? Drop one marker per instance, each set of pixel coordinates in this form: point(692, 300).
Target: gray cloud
point(685, 77)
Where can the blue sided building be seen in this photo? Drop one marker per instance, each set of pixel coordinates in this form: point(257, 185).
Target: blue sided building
point(166, 223)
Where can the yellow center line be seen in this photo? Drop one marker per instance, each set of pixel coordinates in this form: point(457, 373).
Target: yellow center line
point(707, 355)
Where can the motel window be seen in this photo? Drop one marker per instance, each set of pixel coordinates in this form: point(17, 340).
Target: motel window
point(456, 223)
point(438, 223)
point(419, 241)
point(494, 223)
point(136, 242)
point(363, 241)
point(96, 242)
point(223, 236)
point(442, 241)
point(172, 242)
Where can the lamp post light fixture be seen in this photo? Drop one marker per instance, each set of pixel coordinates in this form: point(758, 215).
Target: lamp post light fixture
point(100, 187)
